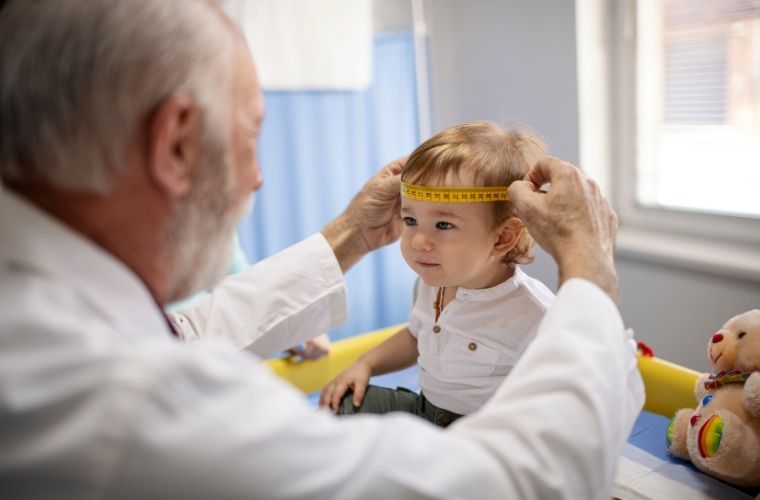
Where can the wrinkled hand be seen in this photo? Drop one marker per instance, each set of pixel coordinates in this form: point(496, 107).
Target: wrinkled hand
point(312, 349)
point(356, 378)
point(572, 221)
point(376, 208)
point(371, 220)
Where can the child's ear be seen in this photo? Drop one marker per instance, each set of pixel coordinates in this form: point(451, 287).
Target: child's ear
point(509, 234)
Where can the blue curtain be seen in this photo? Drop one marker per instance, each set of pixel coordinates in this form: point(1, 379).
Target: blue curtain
point(317, 149)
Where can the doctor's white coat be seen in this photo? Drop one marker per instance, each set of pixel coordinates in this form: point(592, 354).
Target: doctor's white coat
point(99, 400)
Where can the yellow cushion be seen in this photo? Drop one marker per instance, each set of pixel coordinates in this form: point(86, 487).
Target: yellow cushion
point(668, 386)
point(312, 375)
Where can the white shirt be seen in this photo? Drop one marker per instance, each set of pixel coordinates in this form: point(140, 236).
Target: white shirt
point(98, 400)
point(481, 335)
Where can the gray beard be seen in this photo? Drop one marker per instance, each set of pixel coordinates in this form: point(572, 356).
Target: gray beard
point(205, 251)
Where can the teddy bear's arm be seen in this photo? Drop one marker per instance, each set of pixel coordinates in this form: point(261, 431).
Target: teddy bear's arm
point(677, 433)
point(699, 386)
point(752, 394)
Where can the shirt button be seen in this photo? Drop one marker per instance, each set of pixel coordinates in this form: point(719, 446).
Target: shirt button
point(436, 329)
point(472, 346)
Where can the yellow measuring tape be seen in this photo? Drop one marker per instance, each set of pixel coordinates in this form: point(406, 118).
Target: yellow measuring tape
point(454, 195)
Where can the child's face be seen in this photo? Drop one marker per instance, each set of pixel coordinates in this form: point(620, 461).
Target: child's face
point(451, 244)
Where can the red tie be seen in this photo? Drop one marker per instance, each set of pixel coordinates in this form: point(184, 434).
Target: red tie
point(169, 323)
point(171, 326)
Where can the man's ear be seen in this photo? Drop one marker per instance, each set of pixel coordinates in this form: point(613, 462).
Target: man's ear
point(509, 233)
point(174, 145)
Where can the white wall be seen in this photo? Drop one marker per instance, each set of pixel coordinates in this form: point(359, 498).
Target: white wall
point(392, 15)
point(513, 61)
point(508, 61)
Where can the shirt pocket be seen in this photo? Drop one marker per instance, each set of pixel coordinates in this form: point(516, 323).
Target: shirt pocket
point(465, 357)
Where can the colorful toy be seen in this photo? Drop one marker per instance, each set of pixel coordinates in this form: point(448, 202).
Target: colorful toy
point(722, 435)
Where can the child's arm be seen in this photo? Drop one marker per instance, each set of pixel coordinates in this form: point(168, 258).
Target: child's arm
point(396, 353)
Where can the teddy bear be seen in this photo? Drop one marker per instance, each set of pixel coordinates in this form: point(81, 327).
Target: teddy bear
point(721, 436)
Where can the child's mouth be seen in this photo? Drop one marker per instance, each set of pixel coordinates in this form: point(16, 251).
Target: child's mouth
point(426, 264)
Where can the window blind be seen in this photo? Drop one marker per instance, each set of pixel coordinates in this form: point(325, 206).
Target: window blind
point(698, 105)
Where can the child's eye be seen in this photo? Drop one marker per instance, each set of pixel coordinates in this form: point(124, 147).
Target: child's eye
point(409, 221)
point(444, 225)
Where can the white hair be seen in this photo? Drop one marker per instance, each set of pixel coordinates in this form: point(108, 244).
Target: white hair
point(78, 78)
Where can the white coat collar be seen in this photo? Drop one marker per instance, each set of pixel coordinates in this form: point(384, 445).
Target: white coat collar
point(35, 242)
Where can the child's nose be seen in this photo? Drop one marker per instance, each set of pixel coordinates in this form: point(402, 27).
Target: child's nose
point(421, 241)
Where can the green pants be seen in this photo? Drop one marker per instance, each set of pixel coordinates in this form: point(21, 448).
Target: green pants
point(385, 400)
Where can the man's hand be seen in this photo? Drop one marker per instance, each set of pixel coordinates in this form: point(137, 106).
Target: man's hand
point(572, 221)
point(372, 218)
point(377, 207)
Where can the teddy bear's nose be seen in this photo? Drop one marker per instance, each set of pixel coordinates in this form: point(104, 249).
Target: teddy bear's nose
point(717, 338)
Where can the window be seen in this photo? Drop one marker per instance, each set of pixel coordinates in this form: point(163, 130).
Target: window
point(669, 109)
point(697, 134)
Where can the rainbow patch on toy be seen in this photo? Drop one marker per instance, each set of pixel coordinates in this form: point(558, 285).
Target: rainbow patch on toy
point(710, 435)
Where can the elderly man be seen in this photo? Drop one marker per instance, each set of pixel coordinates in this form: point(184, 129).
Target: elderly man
point(128, 154)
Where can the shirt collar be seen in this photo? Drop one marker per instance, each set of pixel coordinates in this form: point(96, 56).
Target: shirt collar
point(36, 241)
point(495, 292)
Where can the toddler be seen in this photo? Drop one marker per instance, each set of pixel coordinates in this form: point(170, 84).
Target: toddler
point(475, 310)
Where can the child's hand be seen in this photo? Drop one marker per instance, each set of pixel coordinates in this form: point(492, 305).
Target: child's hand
point(312, 349)
point(355, 377)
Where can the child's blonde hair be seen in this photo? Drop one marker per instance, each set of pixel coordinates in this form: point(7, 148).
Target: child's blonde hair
point(491, 154)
